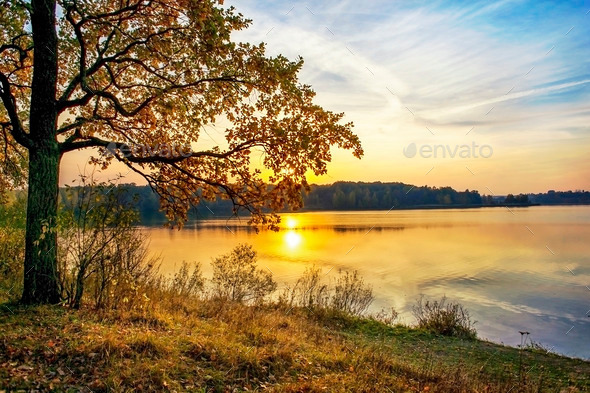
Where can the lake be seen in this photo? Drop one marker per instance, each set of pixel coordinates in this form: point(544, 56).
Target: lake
point(517, 269)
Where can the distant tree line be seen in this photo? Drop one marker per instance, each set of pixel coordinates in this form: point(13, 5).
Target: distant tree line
point(510, 199)
point(384, 196)
point(562, 198)
point(550, 197)
point(337, 196)
point(361, 196)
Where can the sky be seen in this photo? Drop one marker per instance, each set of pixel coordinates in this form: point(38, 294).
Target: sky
point(491, 96)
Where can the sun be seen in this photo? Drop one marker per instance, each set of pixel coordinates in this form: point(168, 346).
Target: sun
point(291, 223)
point(293, 239)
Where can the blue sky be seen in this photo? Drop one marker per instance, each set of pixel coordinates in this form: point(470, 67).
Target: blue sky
point(515, 73)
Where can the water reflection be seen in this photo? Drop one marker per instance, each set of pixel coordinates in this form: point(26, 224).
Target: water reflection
point(292, 239)
point(487, 259)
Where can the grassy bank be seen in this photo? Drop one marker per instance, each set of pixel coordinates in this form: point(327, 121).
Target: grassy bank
point(212, 346)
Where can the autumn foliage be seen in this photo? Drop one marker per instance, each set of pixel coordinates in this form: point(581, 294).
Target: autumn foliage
point(114, 75)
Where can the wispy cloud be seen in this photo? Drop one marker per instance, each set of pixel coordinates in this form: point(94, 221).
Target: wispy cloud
point(510, 96)
point(395, 68)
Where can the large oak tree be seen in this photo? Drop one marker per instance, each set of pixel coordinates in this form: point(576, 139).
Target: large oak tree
point(135, 80)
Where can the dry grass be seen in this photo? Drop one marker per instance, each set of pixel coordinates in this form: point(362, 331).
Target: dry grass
point(212, 346)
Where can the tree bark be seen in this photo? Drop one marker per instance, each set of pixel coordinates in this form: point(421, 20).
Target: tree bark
point(79, 286)
point(41, 279)
point(41, 284)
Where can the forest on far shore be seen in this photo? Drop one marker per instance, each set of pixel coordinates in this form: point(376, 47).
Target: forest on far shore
point(344, 196)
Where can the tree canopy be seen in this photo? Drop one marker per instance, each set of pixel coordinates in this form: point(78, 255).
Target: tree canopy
point(154, 73)
point(136, 79)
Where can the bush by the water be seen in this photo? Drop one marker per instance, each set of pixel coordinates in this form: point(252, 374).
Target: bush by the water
point(444, 317)
point(103, 258)
point(349, 294)
point(308, 291)
point(237, 278)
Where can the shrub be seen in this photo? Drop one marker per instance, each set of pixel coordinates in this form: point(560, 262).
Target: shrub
point(122, 273)
point(444, 317)
point(103, 257)
point(12, 253)
point(535, 346)
point(351, 294)
point(186, 283)
point(386, 316)
point(12, 246)
point(236, 277)
point(308, 291)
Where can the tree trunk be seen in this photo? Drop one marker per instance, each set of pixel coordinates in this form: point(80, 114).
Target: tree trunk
point(41, 280)
point(40, 268)
point(79, 286)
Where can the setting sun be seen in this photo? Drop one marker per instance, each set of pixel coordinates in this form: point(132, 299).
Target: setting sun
point(291, 223)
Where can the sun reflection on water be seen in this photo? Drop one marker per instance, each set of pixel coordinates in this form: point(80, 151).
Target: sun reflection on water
point(292, 239)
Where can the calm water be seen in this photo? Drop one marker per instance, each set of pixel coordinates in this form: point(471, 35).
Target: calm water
point(519, 269)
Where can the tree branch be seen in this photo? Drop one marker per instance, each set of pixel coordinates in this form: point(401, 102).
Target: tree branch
point(238, 200)
point(80, 79)
point(72, 143)
point(9, 102)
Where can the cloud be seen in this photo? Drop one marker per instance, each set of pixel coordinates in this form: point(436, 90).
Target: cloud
point(509, 96)
point(396, 68)
point(513, 69)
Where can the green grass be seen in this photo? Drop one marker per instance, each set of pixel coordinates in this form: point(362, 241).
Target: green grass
point(206, 346)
